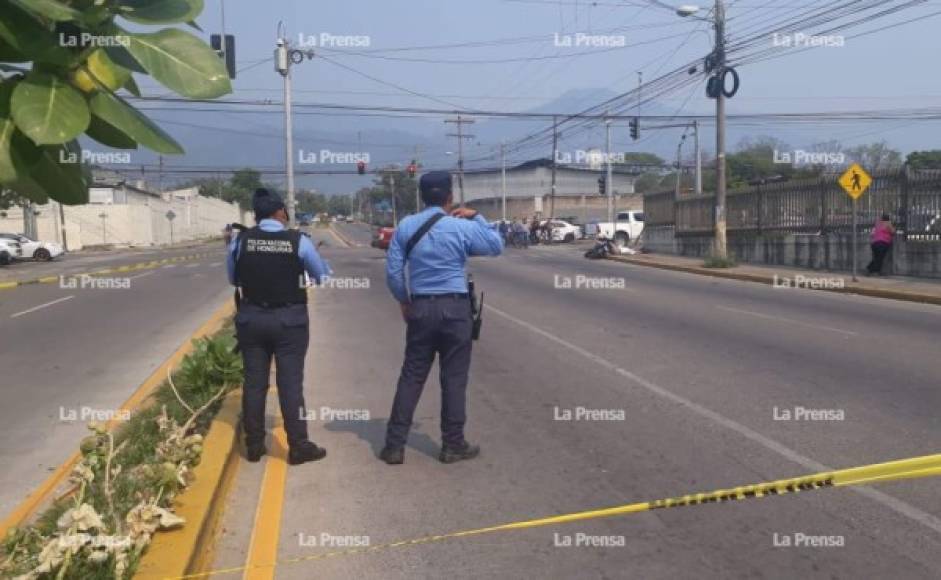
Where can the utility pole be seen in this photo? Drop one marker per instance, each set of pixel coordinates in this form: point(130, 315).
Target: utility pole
point(284, 57)
point(160, 174)
point(460, 122)
point(721, 246)
point(679, 157)
point(698, 188)
point(417, 181)
point(503, 174)
point(395, 218)
point(608, 173)
point(555, 155)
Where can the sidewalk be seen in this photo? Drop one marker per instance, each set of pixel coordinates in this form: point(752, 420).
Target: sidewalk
point(924, 290)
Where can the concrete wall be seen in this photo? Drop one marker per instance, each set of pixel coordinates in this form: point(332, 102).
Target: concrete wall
point(586, 208)
point(140, 222)
point(818, 252)
point(529, 182)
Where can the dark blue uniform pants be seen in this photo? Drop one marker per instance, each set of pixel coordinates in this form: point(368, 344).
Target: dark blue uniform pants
point(282, 333)
point(439, 326)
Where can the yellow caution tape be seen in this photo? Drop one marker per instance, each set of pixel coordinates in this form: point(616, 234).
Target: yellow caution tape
point(917, 467)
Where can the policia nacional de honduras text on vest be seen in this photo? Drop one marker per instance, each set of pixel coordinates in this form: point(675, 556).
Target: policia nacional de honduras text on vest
point(269, 269)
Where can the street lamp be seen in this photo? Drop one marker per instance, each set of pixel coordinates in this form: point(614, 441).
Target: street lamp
point(716, 89)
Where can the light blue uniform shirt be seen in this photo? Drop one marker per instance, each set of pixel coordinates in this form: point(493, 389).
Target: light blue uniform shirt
point(436, 264)
point(316, 267)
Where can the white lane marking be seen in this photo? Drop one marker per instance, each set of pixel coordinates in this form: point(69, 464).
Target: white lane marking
point(168, 266)
point(192, 265)
point(928, 520)
point(788, 320)
point(41, 306)
point(215, 264)
point(141, 275)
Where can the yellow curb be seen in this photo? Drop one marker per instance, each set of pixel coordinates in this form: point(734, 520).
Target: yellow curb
point(21, 514)
point(769, 280)
point(48, 279)
point(6, 285)
point(266, 531)
point(190, 548)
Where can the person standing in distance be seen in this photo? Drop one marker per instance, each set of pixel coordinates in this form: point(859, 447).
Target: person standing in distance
point(433, 245)
point(267, 263)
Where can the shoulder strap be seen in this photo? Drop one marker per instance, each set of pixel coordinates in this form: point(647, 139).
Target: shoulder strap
point(417, 236)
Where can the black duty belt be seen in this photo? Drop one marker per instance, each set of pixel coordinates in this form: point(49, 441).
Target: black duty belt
point(456, 295)
point(273, 305)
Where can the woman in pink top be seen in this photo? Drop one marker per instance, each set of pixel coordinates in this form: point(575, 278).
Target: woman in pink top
point(881, 242)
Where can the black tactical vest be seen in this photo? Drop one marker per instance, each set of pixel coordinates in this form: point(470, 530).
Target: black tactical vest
point(268, 268)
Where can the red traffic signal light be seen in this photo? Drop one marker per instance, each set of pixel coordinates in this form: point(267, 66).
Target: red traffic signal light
point(361, 167)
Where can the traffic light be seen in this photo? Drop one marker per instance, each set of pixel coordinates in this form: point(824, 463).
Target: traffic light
point(361, 167)
point(602, 185)
point(412, 169)
point(635, 128)
point(215, 41)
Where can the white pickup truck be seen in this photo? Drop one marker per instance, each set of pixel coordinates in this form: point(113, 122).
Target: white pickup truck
point(625, 230)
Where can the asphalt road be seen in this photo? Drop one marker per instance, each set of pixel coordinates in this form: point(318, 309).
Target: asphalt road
point(695, 377)
point(75, 352)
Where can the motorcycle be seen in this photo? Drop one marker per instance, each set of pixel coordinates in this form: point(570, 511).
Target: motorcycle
point(603, 248)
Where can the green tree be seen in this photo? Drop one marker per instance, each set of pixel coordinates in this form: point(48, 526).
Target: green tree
point(875, 156)
point(924, 159)
point(58, 84)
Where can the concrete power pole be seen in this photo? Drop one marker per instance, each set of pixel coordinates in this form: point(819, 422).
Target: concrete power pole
point(721, 245)
point(503, 174)
point(608, 172)
point(284, 58)
point(460, 122)
point(555, 155)
point(698, 189)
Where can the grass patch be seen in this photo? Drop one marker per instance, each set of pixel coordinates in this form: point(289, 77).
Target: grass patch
point(719, 262)
point(124, 485)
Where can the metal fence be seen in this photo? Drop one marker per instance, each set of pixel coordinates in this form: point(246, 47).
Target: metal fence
point(819, 205)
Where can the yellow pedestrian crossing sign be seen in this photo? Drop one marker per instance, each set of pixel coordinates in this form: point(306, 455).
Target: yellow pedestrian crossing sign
point(855, 181)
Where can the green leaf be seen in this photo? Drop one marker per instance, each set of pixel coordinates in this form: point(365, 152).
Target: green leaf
point(64, 181)
point(48, 110)
point(8, 167)
point(160, 11)
point(10, 54)
point(182, 63)
point(27, 36)
point(120, 56)
point(109, 135)
point(131, 87)
point(51, 9)
point(119, 114)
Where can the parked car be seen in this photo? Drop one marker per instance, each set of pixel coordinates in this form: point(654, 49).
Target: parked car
point(35, 250)
point(563, 231)
point(626, 229)
point(383, 238)
point(10, 250)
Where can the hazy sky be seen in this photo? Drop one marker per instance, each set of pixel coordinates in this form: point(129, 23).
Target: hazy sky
point(892, 69)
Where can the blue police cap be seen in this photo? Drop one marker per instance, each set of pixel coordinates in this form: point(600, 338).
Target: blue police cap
point(265, 203)
point(435, 182)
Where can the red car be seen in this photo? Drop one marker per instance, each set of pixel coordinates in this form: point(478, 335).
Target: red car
point(383, 238)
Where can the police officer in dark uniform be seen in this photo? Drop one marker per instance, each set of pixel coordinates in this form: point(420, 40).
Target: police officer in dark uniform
point(268, 262)
point(433, 245)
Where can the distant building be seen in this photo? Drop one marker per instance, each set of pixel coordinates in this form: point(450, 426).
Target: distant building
point(529, 191)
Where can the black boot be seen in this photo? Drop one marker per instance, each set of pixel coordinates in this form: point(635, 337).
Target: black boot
point(392, 455)
point(254, 452)
point(305, 452)
point(463, 452)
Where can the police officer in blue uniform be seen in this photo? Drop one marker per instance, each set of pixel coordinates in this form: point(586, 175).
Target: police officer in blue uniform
point(267, 263)
point(433, 246)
